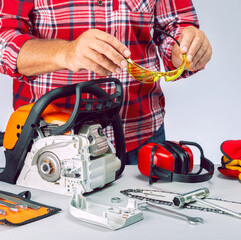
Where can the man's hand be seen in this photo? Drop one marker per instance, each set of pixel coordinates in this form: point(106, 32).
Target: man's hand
point(96, 51)
point(93, 50)
point(195, 44)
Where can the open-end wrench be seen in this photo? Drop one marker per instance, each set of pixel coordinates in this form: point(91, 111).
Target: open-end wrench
point(191, 220)
point(13, 207)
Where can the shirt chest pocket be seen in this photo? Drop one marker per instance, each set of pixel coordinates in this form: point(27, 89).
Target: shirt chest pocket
point(145, 6)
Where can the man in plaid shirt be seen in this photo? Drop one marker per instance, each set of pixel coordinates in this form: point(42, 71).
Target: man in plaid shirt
point(45, 44)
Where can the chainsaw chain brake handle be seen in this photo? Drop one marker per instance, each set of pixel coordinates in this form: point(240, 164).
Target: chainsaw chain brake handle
point(104, 107)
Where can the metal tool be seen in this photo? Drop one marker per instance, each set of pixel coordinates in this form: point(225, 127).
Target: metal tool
point(19, 201)
point(115, 200)
point(191, 220)
point(186, 198)
point(197, 195)
point(2, 212)
point(13, 207)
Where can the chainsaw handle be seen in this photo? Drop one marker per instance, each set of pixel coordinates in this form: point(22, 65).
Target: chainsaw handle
point(76, 89)
point(104, 102)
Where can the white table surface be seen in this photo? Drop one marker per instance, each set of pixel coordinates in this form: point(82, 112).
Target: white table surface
point(154, 226)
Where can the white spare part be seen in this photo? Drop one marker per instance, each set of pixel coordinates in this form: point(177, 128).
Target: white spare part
point(109, 217)
point(66, 164)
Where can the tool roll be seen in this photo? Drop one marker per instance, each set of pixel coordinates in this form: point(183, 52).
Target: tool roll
point(20, 210)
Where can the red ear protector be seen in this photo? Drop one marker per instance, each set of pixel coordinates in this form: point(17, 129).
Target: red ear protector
point(173, 161)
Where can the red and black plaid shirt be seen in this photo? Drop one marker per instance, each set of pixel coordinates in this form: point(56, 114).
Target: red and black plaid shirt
point(132, 20)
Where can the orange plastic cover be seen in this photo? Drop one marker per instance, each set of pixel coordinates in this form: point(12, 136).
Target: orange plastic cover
point(52, 114)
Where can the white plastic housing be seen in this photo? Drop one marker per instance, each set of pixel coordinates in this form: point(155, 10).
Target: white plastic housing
point(109, 217)
point(80, 171)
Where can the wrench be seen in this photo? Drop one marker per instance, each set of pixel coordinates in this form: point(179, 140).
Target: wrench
point(198, 195)
point(13, 207)
point(230, 212)
point(19, 201)
point(191, 220)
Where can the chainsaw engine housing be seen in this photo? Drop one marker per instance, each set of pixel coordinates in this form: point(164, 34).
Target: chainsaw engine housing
point(71, 163)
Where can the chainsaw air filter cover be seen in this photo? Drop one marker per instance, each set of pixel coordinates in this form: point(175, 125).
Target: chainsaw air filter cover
point(172, 161)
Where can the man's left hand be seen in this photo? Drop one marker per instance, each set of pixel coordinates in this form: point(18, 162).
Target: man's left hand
point(195, 44)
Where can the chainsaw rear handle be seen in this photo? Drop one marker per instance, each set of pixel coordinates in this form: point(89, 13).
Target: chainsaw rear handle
point(107, 104)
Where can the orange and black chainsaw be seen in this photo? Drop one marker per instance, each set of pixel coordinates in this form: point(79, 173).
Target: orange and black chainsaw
point(50, 148)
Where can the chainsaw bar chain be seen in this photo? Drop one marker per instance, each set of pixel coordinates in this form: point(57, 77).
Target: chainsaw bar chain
point(131, 194)
point(140, 195)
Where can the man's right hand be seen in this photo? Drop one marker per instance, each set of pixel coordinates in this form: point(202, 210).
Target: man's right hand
point(96, 51)
point(93, 50)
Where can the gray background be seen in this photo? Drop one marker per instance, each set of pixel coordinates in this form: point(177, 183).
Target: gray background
point(206, 107)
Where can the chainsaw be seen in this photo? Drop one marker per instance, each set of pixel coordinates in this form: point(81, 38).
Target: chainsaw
point(66, 152)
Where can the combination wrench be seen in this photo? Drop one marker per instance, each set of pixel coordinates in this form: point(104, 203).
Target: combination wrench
point(12, 207)
point(19, 201)
point(191, 220)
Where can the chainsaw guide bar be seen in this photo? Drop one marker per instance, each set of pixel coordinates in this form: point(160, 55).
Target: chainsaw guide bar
point(166, 198)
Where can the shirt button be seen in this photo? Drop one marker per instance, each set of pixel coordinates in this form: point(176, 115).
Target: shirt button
point(100, 2)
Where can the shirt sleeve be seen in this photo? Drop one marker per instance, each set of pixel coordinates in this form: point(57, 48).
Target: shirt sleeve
point(172, 16)
point(15, 30)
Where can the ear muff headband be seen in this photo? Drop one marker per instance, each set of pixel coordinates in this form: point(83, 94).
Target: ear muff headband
point(167, 175)
point(183, 159)
point(178, 161)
